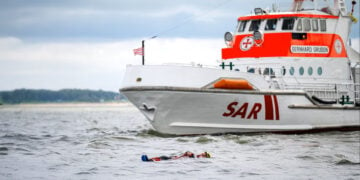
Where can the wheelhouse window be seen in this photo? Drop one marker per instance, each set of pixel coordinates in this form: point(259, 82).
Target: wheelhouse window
point(322, 25)
point(288, 24)
point(251, 70)
point(315, 25)
point(242, 26)
point(269, 72)
point(307, 25)
point(299, 25)
point(255, 25)
point(270, 24)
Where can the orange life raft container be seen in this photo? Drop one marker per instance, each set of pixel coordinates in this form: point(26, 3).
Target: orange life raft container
point(233, 84)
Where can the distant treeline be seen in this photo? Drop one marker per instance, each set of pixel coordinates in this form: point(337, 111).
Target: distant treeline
point(64, 95)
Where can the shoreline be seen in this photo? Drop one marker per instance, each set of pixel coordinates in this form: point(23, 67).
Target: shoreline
point(70, 104)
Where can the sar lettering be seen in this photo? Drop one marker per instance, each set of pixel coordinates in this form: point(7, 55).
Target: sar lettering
point(243, 111)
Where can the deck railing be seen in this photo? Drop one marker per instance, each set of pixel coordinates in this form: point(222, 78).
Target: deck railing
point(345, 93)
point(341, 93)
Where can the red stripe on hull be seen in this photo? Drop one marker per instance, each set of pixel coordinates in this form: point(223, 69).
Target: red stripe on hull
point(269, 111)
point(277, 115)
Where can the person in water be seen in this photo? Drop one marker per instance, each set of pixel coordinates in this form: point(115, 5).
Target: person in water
point(187, 154)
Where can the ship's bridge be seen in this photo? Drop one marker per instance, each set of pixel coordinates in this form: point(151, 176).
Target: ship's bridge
point(291, 34)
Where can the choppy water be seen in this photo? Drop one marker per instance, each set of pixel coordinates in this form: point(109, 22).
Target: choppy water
point(106, 142)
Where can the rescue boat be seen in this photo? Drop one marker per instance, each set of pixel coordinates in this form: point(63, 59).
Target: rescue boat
point(280, 72)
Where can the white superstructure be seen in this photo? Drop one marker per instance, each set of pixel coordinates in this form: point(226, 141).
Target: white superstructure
point(281, 71)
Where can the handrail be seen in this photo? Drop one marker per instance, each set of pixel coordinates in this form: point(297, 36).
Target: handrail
point(338, 92)
point(348, 93)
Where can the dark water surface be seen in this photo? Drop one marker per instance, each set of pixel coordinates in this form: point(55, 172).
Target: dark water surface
point(106, 141)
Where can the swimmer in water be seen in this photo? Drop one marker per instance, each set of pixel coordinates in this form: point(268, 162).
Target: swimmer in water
point(187, 154)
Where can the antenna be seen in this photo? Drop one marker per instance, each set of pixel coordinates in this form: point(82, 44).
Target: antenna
point(353, 3)
point(275, 6)
point(350, 42)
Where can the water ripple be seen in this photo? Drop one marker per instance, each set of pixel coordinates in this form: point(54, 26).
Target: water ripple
point(306, 157)
point(91, 142)
point(204, 140)
point(4, 150)
point(346, 162)
point(99, 144)
point(148, 133)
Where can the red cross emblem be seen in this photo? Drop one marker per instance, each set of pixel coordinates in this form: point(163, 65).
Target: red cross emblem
point(246, 43)
point(338, 46)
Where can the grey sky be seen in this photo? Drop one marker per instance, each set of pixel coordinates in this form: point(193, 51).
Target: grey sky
point(111, 19)
point(87, 43)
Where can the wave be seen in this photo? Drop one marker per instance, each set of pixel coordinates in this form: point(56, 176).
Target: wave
point(239, 139)
point(306, 157)
point(346, 162)
point(4, 150)
point(205, 140)
point(20, 137)
point(153, 133)
point(99, 144)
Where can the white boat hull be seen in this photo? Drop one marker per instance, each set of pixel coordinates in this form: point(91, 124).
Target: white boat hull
point(281, 71)
point(187, 111)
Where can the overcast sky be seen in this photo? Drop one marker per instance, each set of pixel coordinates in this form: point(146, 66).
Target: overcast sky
point(87, 43)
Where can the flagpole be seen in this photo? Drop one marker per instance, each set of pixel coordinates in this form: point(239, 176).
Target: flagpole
point(143, 52)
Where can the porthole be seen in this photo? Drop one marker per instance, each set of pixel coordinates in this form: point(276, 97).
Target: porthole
point(301, 71)
point(319, 71)
point(310, 71)
point(292, 71)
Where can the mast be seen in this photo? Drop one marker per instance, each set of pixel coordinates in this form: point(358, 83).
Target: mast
point(143, 52)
